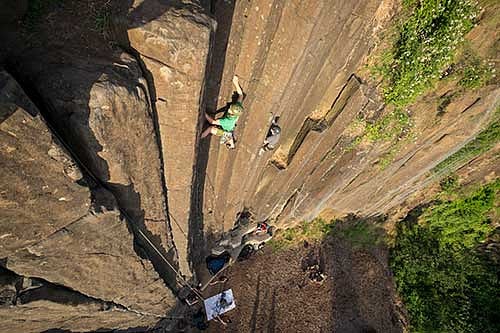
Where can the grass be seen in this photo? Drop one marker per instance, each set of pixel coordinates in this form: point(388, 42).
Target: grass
point(475, 72)
point(392, 127)
point(358, 232)
point(425, 44)
point(447, 283)
point(388, 127)
point(484, 141)
point(317, 229)
point(36, 9)
point(388, 157)
point(102, 18)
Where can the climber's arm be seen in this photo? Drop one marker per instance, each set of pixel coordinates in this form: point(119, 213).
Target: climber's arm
point(236, 84)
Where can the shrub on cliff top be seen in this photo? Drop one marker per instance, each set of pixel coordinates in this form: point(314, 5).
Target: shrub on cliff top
point(427, 39)
point(446, 282)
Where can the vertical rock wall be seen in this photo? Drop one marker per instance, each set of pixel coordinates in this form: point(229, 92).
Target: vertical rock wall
point(304, 61)
point(174, 48)
point(293, 59)
point(59, 226)
point(102, 110)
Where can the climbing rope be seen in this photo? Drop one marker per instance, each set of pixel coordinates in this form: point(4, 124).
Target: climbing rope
point(178, 275)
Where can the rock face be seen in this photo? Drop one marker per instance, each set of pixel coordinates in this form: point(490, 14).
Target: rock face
point(28, 305)
point(304, 63)
point(293, 61)
point(174, 48)
point(130, 114)
point(91, 245)
point(102, 109)
point(65, 233)
point(40, 316)
point(39, 193)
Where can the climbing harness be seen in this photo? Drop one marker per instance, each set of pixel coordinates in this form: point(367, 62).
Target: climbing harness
point(228, 139)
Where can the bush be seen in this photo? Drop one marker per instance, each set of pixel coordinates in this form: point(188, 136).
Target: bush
point(446, 283)
point(425, 45)
point(449, 184)
point(474, 71)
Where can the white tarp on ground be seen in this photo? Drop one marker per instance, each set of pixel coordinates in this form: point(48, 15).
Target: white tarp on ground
point(219, 304)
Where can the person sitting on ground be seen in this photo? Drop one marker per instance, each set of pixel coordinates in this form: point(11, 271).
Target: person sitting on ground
point(273, 136)
point(224, 126)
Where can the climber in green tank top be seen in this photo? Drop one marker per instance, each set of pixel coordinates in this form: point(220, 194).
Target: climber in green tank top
point(227, 123)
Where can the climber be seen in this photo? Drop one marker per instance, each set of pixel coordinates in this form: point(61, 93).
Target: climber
point(272, 138)
point(224, 126)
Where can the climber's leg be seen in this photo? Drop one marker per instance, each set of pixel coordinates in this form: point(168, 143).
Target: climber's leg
point(214, 130)
point(210, 119)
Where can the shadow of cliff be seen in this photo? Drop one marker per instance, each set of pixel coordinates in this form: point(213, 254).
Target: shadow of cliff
point(223, 12)
point(363, 296)
point(59, 71)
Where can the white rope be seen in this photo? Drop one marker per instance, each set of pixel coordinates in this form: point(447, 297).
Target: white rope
point(91, 175)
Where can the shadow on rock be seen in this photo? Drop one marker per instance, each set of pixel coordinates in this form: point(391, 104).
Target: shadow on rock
point(94, 96)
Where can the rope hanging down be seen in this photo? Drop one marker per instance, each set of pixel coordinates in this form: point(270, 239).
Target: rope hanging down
point(124, 214)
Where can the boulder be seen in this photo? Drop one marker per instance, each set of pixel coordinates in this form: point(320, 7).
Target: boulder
point(55, 229)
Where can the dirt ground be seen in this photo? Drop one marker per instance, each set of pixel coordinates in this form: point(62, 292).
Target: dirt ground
point(273, 292)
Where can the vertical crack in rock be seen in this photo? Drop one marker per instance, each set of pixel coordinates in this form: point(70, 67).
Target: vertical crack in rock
point(150, 91)
point(43, 106)
point(320, 124)
point(174, 50)
point(215, 65)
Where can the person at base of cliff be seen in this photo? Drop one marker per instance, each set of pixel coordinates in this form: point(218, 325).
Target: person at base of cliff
point(272, 138)
point(224, 126)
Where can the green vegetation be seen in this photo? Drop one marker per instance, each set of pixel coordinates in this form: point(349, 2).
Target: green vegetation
point(475, 72)
point(389, 127)
point(447, 283)
point(387, 158)
point(359, 233)
point(484, 141)
point(102, 18)
point(449, 184)
point(317, 229)
point(425, 44)
point(392, 127)
point(36, 9)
